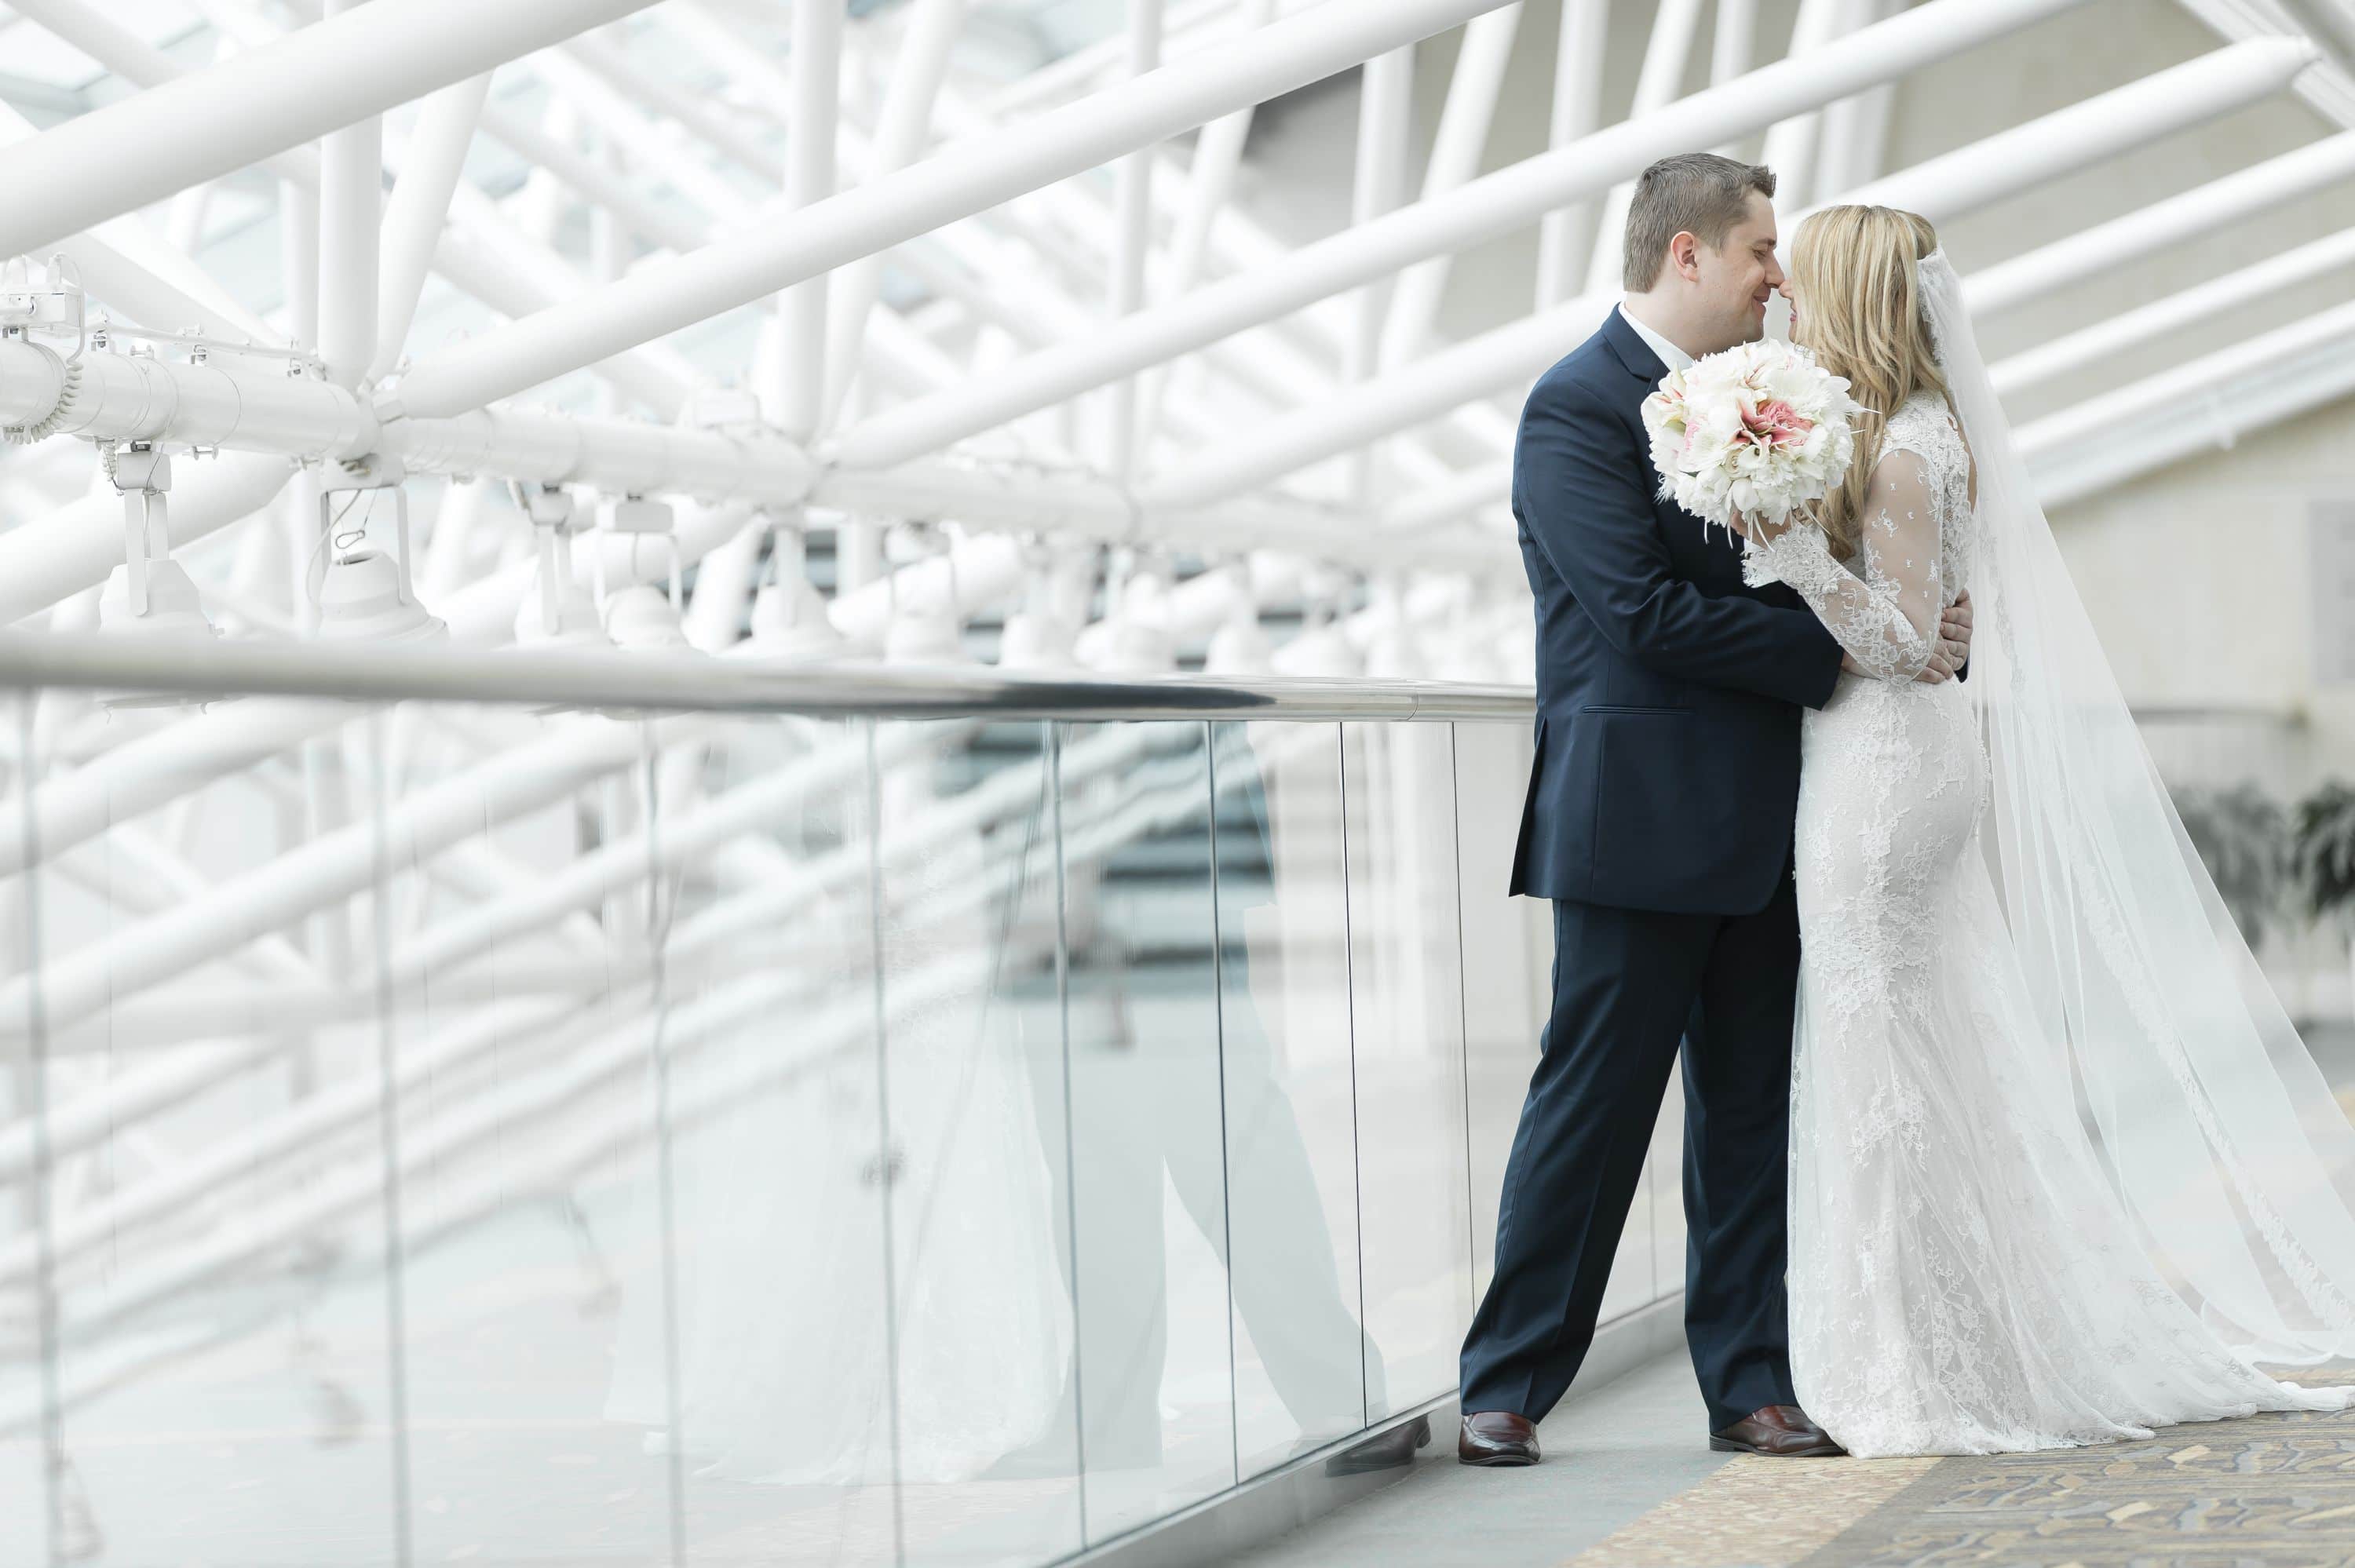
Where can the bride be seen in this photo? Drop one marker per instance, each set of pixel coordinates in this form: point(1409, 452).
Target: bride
point(2060, 1171)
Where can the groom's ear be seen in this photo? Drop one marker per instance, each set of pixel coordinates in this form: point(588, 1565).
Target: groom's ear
point(1684, 255)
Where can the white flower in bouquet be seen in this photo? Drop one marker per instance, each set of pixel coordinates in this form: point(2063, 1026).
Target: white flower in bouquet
point(1757, 430)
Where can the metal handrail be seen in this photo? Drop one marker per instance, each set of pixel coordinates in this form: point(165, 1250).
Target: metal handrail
point(614, 680)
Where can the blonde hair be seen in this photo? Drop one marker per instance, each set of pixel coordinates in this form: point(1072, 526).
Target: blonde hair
point(1858, 269)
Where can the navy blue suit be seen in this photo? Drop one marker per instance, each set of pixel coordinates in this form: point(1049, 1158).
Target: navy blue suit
point(1658, 820)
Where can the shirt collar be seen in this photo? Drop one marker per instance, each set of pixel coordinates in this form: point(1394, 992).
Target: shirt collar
point(1671, 356)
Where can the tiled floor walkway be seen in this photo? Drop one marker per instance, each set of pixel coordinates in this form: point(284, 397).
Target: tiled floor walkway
point(1628, 1483)
point(1610, 1456)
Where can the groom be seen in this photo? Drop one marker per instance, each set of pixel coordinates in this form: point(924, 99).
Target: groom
point(1659, 821)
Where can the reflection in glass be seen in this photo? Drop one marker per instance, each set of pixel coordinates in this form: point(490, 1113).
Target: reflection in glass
point(1507, 945)
point(1150, 1189)
point(1302, 1378)
point(803, 1141)
point(975, 1141)
point(1407, 1008)
point(214, 1130)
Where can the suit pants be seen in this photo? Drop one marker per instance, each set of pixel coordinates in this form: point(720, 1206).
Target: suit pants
point(1629, 986)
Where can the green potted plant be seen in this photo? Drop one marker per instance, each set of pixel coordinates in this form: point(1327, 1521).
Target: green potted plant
point(2324, 857)
point(2242, 835)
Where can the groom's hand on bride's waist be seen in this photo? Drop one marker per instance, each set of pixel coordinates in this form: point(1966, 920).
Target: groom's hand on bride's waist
point(1954, 640)
point(1953, 650)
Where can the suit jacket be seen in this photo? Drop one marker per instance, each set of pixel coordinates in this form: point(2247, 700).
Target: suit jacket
point(1669, 694)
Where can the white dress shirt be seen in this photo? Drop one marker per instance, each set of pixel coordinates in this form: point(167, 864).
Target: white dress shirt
point(1672, 356)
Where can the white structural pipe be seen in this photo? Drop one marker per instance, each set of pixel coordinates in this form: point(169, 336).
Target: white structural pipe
point(1419, 392)
point(901, 131)
point(2202, 210)
point(1489, 207)
point(2106, 339)
point(151, 282)
point(1855, 130)
point(1451, 499)
point(2329, 23)
point(314, 80)
point(591, 181)
point(351, 208)
point(1385, 127)
point(132, 58)
point(809, 179)
point(1012, 501)
point(225, 404)
point(1735, 42)
point(1210, 184)
point(2099, 127)
point(1790, 146)
point(2176, 394)
point(2225, 396)
point(669, 99)
point(1665, 57)
point(956, 184)
point(429, 171)
point(481, 254)
point(1132, 241)
point(120, 397)
point(1566, 234)
point(1941, 188)
point(621, 116)
point(1465, 121)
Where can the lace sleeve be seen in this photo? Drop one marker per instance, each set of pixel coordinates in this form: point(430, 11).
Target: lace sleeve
point(1887, 620)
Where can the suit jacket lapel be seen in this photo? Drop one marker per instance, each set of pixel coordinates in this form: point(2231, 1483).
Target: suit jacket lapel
point(1633, 352)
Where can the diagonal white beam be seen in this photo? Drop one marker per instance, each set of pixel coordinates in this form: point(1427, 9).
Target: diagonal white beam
point(430, 173)
point(1667, 53)
point(351, 213)
point(1463, 136)
point(900, 134)
point(215, 122)
point(134, 59)
point(1489, 207)
point(2206, 403)
point(955, 184)
point(810, 178)
point(2172, 391)
point(2201, 211)
point(592, 182)
point(1567, 234)
point(1944, 187)
point(2147, 323)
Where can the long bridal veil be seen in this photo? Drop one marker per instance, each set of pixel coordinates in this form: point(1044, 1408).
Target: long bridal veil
point(2205, 1108)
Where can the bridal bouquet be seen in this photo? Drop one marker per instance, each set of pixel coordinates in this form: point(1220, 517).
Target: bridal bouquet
point(1759, 430)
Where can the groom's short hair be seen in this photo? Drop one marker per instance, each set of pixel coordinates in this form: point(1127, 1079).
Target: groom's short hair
point(1699, 194)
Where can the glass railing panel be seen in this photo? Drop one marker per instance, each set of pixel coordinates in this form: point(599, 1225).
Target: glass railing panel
point(1150, 1189)
point(1292, 1135)
point(515, 951)
point(968, 922)
point(30, 1497)
point(1508, 957)
point(226, 1379)
point(1406, 982)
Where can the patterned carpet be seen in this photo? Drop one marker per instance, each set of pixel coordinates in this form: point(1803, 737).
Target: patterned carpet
point(2270, 1491)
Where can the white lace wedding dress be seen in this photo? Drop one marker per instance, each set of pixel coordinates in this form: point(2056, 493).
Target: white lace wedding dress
point(1962, 1276)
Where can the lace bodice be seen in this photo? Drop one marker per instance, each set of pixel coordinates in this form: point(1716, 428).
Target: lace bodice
point(1915, 555)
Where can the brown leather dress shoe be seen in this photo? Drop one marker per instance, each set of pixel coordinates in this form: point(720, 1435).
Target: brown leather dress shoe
point(1496, 1437)
point(1779, 1432)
